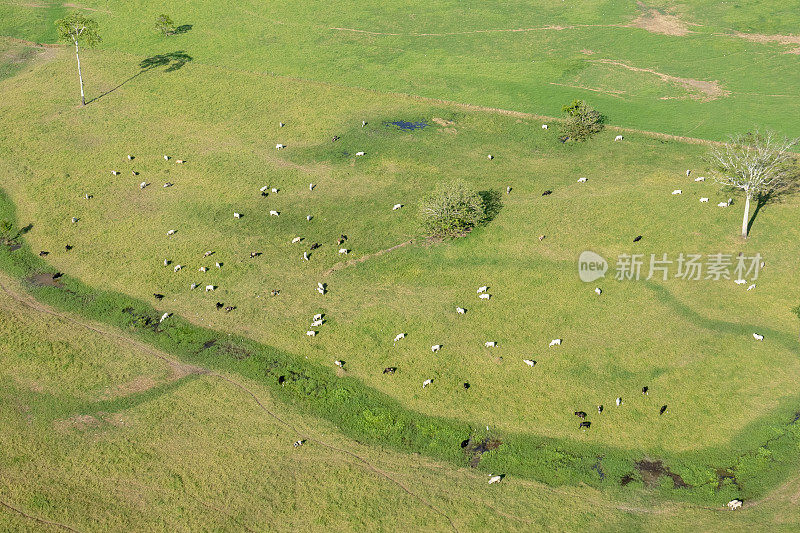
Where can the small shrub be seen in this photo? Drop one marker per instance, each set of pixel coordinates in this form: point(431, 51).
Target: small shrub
point(452, 210)
point(582, 121)
point(164, 25)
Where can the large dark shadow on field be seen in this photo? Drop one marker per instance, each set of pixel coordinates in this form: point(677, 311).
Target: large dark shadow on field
point(792, 186)
point(789, 341)
point(183, 28)
point(172, 61)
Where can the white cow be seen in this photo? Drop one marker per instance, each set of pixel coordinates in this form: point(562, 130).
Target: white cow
point(279, 147)
point(598, 291)
point(701, 178)
point(544, 126)
point(740, 281)
point(751, 287)
point(164, 317)
point(618, 138)
point(734, 504)
point(178, 267)
point(237, 215)
point(555, 342)
point(360, 153)
point(396, 207)
point(758, 337)
point(399, 336)
point(344, 251)
point(490, 344)
point(495, 479)
point(318, 316)
point(210, 288)
point(296, 240)
point(426, 383)
point(483, 289)
point(436, 347)
point(311, 333)
point(171, 232)
point(484, 296)
point(274, 213)
point(677, 191)
point(529, 362)
point(461, 311)
point(582, 180)
point(703, 200)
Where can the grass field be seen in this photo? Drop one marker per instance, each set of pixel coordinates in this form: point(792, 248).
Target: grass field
point(731, 400)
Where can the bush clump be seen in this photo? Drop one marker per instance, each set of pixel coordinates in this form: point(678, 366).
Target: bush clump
point(582, 121)
point(452, 210)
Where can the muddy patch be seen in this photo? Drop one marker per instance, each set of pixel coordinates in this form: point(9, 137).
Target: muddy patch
point(442, 122)
point(234, 351)
point(140, 320)
point(474, 449)
point(726, 475)
point(788, 40)
point(653, 471)
point(626, 479)
point(44, 279)
point(698, 89)
point(655, 21)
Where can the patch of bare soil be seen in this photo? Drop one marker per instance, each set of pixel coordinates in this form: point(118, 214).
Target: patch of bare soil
point(701, 89)
point(43, 280)
point(475, 449)
point(790, 40)
point(442, 122)
point(352, 262)
point(652, 471)
point(655, 21)
point(79, 422)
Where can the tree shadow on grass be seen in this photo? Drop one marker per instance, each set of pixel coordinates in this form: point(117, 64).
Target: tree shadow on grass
point(792, 186)
point(492, 204)
point(172, 61)
point(183, 28)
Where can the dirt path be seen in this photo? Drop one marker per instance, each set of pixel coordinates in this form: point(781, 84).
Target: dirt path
point(36, 518)
point(34, 304)
point(352, 262)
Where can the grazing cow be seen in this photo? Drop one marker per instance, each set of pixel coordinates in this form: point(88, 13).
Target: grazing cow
point(426, 383)
point(677, 191)
point(508, 190)
point(178, 267)
point(220, 305)
point(318, 316)
point(237, 215)
point(317, 323)
point(274, 213)
point(490, 344)
point(490, 157)
point(461, 311)
point(74, 220)
point(547, 192)
point(265, 188)
point(618, 138)
point(309, 217)
point(483, 289)
point(341, 239)
point(311, 333)
point(580, 414)
point(703, 200)
point(210, 288)
point(296, 240)
point(321, 285)
point(734, 504)
point(143, 184)
point(740, 281)
point(311, 186)
point(758, 337)
point(180, 161)
point(280, 124)
point(530, 362)
point(279, 147)
point(164, 317)
point(466, 385)
point(43, 253)
point(662, 410)
point(344, 251)
point(203, 269)
point(254, 254)
point(390, 370)
point(555, 342)
point(600, 409)
point(299, 443)
point(305, 256)
point(436, 347)
point(321, 291)
point(637, 239)
point(274, 292)
point(701, 178)
point(167, 262)
point(209, 252)
point(360, 153)
point(598, 291)
point(158, 296)
point(644, 390)
point(751, 287)
point(166, 158)
point(167, 184)
point(495, 479)
point(544, 126)
point(339, 363)
point(315, 246)
point(484, 296)
point(722, 204)
point(396, 207)
point(68, 247)
point(218, 264)
point(171, 232)
point(193, 286)
point(363, 123)
point(114, 172)
point(399, 336)
point(582, 180)
point(130, 158)
point(585, 424)
point(688, 172)
point(335, 138)
point(541, 237)
point(619, 401)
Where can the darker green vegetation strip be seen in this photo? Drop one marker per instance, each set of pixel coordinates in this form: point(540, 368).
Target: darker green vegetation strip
point(766, 450)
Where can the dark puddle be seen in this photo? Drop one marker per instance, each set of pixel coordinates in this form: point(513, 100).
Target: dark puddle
point(237, 352)
point(475, 449)
point(408, 126)
point(652, 471)
point(725, 474)
point(598, 467)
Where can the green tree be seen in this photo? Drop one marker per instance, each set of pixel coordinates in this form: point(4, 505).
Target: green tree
point(164, 25)
point(581, 121)
point(758, 164)
point(75, 28)
point(452, 210)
